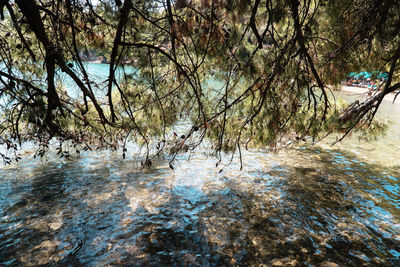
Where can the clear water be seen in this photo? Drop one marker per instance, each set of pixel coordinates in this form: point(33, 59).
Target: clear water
point(299, 207)
point(98, 74)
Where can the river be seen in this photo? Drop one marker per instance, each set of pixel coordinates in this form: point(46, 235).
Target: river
point(308, 206)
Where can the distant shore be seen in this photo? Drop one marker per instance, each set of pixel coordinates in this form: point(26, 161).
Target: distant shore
point(105, 61)
point(95, 62)
point(362, 92)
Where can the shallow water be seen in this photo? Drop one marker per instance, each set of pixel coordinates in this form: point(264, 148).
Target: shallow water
point(299, 207)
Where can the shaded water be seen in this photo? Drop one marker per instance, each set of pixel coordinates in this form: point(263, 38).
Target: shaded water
point(300, 207)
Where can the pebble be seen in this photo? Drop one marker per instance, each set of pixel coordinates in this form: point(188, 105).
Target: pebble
point(277, 264)
point(304, 250)
point(328, 264)
point(55, 225)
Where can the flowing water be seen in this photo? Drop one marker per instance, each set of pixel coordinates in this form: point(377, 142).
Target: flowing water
point(311, 206)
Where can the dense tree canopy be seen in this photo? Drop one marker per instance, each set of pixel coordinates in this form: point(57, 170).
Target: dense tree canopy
point(239, 73)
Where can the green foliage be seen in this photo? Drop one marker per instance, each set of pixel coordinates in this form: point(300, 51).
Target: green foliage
point(241, 73)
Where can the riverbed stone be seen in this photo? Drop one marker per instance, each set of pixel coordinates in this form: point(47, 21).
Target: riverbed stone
point(277, 263)
point(55, 225)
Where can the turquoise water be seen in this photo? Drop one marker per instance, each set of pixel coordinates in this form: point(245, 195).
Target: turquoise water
point(98, 75)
